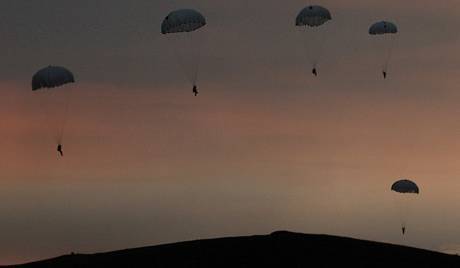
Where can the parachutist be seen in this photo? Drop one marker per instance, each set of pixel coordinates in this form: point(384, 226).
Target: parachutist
point(405, 187)
point(309, 18)
point(184, 22)
point(314, 72)
point(59, 149)
point(195, 90)
point(388, 32)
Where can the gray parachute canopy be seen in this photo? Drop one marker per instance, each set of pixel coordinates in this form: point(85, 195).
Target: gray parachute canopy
point(383, 27)
point(405, 187)
point(50, 77)
point(313, 16)
point(182, 20)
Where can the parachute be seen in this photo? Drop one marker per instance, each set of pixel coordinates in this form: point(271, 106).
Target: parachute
point(405, 187)
point(311, 20)
point(383, 27)
point(313, 16)
point(405, 190)
point(51, 76)
point(52, 86)
point(184, 29)
point(183, 20)
point(385, 33)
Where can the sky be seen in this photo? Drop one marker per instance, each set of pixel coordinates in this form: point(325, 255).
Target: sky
point(264, 147)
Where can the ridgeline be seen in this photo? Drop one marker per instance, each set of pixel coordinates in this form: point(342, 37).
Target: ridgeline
point(279, 249)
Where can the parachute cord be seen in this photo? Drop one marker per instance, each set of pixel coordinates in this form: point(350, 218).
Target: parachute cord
point(402, 204)
point(192, 73)
point(389, 52)
point(321, 44)
point(197, 59)
point(189, 65)
point(181, 63)
point(314, 39)
point(63, 123)
point(305, 48)
point(309, 48)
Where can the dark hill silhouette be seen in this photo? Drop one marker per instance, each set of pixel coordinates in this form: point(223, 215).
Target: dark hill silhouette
point(279, 249)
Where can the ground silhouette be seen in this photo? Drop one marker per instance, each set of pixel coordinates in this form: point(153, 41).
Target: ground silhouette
point(279, 249)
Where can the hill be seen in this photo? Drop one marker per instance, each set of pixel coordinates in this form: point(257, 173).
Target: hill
point(279, 249)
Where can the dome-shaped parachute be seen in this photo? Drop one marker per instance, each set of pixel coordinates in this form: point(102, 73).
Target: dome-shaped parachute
point(405, 187)
point(383, 27)
point(311, 20)
point(313, 16)
point(51, 76)
point(182, 20)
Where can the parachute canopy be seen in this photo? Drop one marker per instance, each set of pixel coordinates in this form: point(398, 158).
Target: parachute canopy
point(405, 187)
point(182, 20)
point(50, 77)
point(383, 27)
point(313, 16)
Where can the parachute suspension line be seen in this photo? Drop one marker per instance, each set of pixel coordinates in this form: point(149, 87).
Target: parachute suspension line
point(196, 57)
point(308, 49)
point(194, 63)
point(181, 61)
point(392, 42)
point(401, 206)
point(65, 113)
point(309, 44)
point(43, 107)
point(322, 40)
point(188, 56)
point(313, 39)
point(55, 114)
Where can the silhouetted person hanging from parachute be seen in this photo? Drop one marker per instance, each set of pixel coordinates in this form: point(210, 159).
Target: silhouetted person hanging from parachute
point(314, 72)
point(403, 229)
point(384, 74)
point(195, 90)
point(59, 149)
